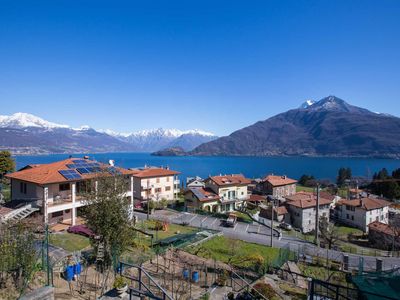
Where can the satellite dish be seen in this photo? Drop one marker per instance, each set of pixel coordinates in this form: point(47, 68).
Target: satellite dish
point(111, 162)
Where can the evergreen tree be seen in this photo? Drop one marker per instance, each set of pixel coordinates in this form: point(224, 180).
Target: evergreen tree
point(7, 163)
point(343, 175)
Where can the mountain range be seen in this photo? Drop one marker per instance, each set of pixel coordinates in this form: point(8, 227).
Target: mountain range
point(23, 133)
point(329, 127)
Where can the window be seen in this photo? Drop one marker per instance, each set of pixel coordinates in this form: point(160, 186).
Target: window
point(167, 188)
point(347, 216)
point(377, 218)
point(352, 218)
point(22, 187)
point(309, 222)
point(158, 180)
point(382, 218)
point(167, 179)
point(158, 190)
point(64, 187)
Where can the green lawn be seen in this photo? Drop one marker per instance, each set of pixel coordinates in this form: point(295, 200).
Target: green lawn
point(173, 229)
point(300, 188)
point(323, 273)
point(235, 252)
point(242, 217)
point(69, 241)
point(344, 231)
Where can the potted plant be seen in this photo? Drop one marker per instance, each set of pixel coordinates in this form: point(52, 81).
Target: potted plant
point(120, 284)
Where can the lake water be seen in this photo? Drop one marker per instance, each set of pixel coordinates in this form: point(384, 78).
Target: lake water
point(252, 167)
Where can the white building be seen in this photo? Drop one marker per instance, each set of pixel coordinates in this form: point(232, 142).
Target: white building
point(231, 189)
point(55, 191)
point(155, 184)
point(361, 212)
point(302, 209)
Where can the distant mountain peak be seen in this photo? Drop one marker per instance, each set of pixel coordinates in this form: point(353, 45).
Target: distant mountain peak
point(332, 103)
point(21, 120)
point(307, 104)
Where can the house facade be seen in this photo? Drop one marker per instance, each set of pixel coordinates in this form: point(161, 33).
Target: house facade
point(278, 186)
point(56, 191)
point(202, 198)
point(302, 210)
point(383, 236)
point(155, 184)
point(280, 214)
point(231, 189)
point(361, 212)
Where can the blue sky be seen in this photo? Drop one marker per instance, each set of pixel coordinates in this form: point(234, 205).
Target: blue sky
point(214, 65)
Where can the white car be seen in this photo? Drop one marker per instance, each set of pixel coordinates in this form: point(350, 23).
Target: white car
point(286, 226)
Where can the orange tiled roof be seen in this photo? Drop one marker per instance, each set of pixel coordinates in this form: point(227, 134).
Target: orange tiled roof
point(383, 228)
point(254, 197)
point(234, 179)
point(275, 180)
point(49, 173)
point(204, 194)
point(365, 203)
point(306, 200)
point(153, 172)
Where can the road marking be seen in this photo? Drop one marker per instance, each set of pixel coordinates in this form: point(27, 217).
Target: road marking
point(214, 222)
point(190, 221)
point(203, 220)
point(234, 228)
point(247, 227)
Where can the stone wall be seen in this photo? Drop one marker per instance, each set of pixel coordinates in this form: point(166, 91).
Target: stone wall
point(43, 293)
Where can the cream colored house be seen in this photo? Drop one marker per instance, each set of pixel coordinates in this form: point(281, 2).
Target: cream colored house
point(155, 184)
point(55, 192)
point(201, 198)
point(231, 189)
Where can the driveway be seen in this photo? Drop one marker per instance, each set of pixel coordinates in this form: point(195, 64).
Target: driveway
point(260, 234)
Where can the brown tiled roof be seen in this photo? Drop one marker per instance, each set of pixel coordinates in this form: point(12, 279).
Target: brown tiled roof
point(281, 210)
point(49, 173)
point(153, 172)
point(275, 180)
point(234, 179)
point(306, 200)
point(254, 197)
point(204, 194)
point(265, 212)
point(383, 228)
point(366, 203)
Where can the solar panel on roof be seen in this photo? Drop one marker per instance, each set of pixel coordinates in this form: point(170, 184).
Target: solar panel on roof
point(70, 174)
point(114, 171)
point(83, 170)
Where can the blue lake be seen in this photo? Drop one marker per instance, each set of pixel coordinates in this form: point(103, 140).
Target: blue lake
point(251, 167)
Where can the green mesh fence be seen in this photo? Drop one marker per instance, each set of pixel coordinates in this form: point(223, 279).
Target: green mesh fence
point(385, 284)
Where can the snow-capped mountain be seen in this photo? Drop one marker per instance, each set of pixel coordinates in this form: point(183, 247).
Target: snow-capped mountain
point(26, 133)
point(22, 120)
point(157, 139)
point(307, 104)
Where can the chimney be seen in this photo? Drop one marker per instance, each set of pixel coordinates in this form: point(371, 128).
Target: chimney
point(167, 167)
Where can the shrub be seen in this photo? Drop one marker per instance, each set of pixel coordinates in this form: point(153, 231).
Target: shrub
point(120, 282)
point(264, 289)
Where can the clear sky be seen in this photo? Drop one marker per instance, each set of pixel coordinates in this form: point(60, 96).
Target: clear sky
point(213, 65)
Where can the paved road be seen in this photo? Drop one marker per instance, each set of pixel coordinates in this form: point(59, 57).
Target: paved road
point(260, 234)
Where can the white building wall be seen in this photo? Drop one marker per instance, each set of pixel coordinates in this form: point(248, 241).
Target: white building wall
point(160, 188)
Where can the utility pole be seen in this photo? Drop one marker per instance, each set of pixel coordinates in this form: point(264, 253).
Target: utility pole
point(148, 200)
point(317, 218)
point(272, 220)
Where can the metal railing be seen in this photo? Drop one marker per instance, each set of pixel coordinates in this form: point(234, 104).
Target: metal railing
point(139, 287)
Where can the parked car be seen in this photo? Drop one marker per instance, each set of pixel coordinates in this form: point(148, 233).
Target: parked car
point(231, 221)
point(285, 226)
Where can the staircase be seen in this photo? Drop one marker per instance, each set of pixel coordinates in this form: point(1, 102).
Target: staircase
point(19, 213)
